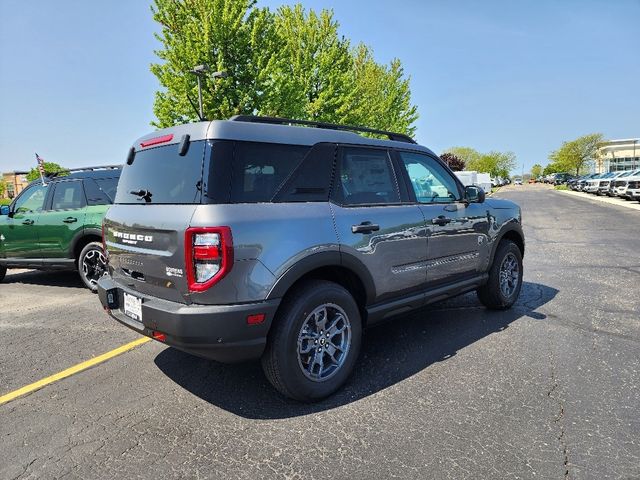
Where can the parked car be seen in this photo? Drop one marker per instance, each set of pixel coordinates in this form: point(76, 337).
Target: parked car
point(633, 188)
point(561, 178)
point(605, 183)
point(58, 225)
point(255, 238)
point(517, 181)
point(620, 186)
point(581, 182)
point(592, 185)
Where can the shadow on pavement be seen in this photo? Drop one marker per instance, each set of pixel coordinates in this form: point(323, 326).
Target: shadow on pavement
point(390, 353)
point(58, 278)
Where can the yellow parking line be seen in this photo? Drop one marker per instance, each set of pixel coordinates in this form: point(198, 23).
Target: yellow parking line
point(72, 370)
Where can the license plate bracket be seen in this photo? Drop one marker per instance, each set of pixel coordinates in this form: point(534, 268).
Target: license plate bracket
point(133, 307)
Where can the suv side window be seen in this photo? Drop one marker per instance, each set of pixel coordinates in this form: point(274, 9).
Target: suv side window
point(430, 181)
point(68, 196)
point(31, 200)
point(365, 176)
point(259, 169)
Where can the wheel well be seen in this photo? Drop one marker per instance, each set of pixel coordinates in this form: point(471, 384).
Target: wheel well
point(516, 238)
point(343, 277)
point(83, 242)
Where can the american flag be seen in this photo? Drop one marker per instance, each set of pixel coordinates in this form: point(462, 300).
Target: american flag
point(40, 161)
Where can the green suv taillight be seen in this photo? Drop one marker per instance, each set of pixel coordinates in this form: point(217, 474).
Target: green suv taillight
point(208, 255)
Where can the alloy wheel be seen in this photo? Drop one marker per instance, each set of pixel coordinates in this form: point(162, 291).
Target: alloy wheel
point(509, 275)
point(94, 266)
point(324, 342)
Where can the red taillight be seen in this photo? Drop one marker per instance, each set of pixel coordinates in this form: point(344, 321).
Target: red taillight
point(208, 255)
point(157, 140)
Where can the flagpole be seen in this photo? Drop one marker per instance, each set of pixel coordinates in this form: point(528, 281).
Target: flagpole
point(41, 169)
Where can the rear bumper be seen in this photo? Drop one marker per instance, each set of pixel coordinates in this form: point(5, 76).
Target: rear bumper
point(215, 332)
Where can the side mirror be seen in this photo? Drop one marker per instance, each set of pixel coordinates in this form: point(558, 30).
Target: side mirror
point(4, 210)
point(474, 194)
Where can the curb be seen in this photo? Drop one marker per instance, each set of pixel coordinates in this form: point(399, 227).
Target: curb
point(611, 201)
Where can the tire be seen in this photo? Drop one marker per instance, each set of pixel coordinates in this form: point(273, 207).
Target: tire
point(92, 265)
point(3, 272)
point(493, 295)
point(291, 361)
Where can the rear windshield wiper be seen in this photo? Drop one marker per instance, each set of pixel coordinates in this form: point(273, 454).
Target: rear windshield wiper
point(144, 194)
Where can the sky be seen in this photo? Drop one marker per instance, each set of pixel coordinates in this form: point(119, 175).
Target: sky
point(509, 75)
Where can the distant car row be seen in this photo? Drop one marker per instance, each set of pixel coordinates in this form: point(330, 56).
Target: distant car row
point(499, 182)
point(624, 184)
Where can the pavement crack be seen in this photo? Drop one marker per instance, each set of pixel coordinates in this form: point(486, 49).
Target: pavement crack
point(559, 420)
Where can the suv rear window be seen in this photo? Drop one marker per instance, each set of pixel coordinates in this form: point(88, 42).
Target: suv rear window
point(165, 175)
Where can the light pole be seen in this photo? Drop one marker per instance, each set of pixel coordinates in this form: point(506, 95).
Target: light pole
point(200, 71)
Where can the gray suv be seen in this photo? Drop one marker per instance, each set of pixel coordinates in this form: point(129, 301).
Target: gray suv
point(282, 240)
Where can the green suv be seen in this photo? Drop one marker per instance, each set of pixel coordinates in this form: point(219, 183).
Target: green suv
point(58, 226)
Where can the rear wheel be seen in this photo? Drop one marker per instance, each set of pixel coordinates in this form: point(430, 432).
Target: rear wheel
point(314, 341)
point(92, 265)
point(3, 272)
point(505, 278)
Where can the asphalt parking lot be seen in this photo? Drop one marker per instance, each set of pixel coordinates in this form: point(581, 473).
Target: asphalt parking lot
point(549, 389)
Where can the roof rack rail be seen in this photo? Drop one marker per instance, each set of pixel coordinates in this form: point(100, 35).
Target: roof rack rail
point(398, 137)
point(83, 169)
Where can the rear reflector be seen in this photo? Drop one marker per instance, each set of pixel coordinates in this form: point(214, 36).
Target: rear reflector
point(157, 140)
point(161, 337)
point(255, 319)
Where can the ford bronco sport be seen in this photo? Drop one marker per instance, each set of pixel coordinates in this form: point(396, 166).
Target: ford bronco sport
point(255, 238)
point(58, 225)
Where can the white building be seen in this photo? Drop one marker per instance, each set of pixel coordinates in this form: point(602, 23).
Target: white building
point(617, 155)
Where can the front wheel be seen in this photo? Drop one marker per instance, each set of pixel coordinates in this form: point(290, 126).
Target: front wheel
point(92, 265)
point(505, 278)
point(3, 272)
point(314, 342)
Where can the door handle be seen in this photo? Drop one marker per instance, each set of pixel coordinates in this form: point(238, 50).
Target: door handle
point(28, 222)
point(441, 220)
point(70, 220)
point(365, 227)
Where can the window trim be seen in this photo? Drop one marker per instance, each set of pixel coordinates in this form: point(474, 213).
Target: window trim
point(407, 180)
point(340, 152)
point(49, 200)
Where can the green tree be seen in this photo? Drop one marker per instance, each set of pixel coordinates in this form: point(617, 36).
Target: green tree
point(468, 155)
point(49, 169)
point(536, 170)
point(308, 77)
point(3, 187)
point(377, 96)
point(228, 35)
point(552, 167)
point(575, 155)
point(497, 164)
point(290, 63)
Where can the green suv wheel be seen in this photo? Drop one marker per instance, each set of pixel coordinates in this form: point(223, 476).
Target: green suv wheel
point(92, 265)
point(314, 342)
